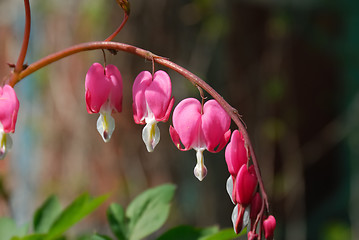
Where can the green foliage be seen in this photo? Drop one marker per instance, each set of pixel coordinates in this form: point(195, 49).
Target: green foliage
point(144, 215)
point(149, 211)
point(117, 221)
point(188, 233)
point(79, 209)
point(192, 233)
point(8, 229)
point(46, 214)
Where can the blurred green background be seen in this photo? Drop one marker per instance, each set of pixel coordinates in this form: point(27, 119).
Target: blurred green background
point(291, 68)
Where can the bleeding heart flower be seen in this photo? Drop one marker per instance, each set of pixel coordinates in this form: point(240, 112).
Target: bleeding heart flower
point(241, 193)
point(200, 128)
point(245, 185)
point(269, 226)
point(104, 96)
point(152, 103)
point(9, 107)
point(236, 153)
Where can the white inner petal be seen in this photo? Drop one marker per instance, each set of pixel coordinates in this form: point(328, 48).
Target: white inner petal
point(229, 187)
point(5, 143)
point(234, 217)
point(105, 125)
point(151, 134)
point(200, 170)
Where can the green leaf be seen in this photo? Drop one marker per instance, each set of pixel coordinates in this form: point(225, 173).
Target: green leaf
point(8, 229)
point(149, 211)
point(117, 220)
point(94, 237)
point(46, 214)
point(36, 236)
point(188, 233)
point(76, 211)
point(225, 234)
point(99, 237)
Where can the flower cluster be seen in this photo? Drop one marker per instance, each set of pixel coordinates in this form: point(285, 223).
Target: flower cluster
point(196, 125)
point(242, 189)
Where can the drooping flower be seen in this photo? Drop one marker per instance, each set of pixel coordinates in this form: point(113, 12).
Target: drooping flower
point(236, 153)
point(245, 185)
point(200, 128)
point(152, 103)
point(9, 107)
point(104, 95)
point(241, 192)
point(269, 227)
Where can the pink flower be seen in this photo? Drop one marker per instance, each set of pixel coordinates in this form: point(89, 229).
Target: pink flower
point(236, 153)
point(104, 96)
point(152, 103)
point(245, 185)
point(200, 128)
point(241, 192)
point(269, 226)
point(9, 107)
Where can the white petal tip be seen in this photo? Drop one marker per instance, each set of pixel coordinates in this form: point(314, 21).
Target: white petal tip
point(151, 135)
point(200, 171)
point(105, 126)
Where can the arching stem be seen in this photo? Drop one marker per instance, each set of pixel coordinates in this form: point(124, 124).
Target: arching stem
point(197, 81)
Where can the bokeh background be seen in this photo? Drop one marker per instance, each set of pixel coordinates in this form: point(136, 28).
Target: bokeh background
point(291, 68)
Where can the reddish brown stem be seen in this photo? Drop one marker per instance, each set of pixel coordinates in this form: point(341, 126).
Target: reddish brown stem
point(113, 35)
point(25, 43)
point(233, 113)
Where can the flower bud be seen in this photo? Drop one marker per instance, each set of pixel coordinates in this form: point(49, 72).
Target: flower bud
point(269, 226)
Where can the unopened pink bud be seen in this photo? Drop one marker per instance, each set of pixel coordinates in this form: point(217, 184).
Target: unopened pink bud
point(236, 153)
point(246, 183)
point(269, 226)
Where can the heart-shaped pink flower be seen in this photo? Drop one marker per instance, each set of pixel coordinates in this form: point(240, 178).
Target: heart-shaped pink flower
point(200, 128)
point(152, 103)
point(9, 107)
point(104, 95)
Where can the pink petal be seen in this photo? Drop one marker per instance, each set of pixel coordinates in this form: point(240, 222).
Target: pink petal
point(215, 124)
point(9, 107)
point(176, 139)
point(142, 81)
point(158, 94)
point(97, 88)
point(246, 183)
point(186, 122)
point(114, 77)
point(168, 112)
point(269, 227)
point(236, 153)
